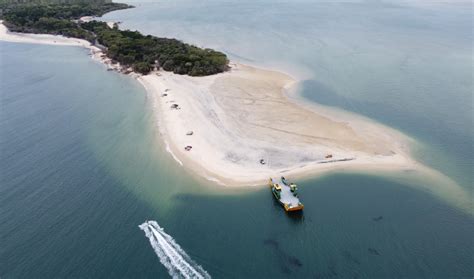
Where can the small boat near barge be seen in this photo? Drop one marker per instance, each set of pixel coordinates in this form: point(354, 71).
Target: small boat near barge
point(286, 193)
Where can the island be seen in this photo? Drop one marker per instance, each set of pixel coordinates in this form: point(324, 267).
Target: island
point(225, 122)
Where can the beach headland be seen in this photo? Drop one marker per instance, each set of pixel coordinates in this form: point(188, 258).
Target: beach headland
point(239, 127)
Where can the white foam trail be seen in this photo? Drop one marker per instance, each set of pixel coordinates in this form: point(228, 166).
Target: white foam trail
point(171, 255)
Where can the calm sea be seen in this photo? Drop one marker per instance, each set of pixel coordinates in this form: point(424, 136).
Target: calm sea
point(82, 164)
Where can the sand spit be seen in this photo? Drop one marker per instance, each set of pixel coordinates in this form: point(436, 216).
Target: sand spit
point(240, 128)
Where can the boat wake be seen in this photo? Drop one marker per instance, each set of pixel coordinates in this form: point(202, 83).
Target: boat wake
point(175, 259)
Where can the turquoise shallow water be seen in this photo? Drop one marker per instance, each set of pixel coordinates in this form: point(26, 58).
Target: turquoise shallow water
point(82, 165)
point(408, 65)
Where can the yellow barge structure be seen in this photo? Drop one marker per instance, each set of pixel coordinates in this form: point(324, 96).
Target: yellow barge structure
point(286, 194)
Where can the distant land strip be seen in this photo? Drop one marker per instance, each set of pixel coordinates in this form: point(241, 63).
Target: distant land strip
point(142, 53)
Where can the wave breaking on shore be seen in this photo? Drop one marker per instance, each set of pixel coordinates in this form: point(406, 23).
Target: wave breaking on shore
point(171, 255)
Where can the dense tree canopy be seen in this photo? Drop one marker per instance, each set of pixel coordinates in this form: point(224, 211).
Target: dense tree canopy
point(130, 48)
point(145, 52)
point(54, 19)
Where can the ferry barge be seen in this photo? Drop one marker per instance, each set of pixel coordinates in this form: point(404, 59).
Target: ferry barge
point(286, 194)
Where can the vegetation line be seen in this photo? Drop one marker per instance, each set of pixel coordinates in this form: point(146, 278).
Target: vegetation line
point(143, 53)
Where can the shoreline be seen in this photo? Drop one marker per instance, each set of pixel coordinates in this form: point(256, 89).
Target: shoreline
point(57, 40)
point(227, 150)
point(225, 158)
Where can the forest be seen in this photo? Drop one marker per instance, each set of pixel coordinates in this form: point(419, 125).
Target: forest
point(130, 48)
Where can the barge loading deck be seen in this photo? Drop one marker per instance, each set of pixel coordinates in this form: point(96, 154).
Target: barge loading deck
point(286, 194)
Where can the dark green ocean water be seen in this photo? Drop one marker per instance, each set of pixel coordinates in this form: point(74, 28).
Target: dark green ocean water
point(82, 167)
point(82, 164)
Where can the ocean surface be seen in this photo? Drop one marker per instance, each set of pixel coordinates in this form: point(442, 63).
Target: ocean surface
point(82, 165)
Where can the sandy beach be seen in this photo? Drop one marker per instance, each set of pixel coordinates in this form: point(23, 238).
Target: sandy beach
point(241, 127)
point(46, 39)
point(55, 40)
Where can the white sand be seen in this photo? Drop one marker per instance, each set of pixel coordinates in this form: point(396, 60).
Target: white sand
point(45, 39)
point(243, 116)
point(8, 36)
